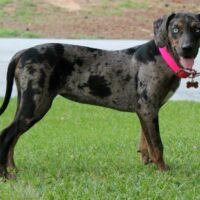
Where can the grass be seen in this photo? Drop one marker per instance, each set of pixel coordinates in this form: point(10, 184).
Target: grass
point(16, 33)
point(115, 8)
point(26, 11)
point(133, 4)
point(4, 2)
point(22, 13)
point(86, 152)
point(25, 15)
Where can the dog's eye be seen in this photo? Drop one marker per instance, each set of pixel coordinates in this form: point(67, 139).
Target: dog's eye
point(197, 30)
point(175, 30)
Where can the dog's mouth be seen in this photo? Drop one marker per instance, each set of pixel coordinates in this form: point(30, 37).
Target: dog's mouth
point(187, 63)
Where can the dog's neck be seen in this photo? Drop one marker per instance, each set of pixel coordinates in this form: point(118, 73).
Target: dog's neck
point(171, 63)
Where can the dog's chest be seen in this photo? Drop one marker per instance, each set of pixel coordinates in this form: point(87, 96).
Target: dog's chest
point(175, 82)
point(168, 96)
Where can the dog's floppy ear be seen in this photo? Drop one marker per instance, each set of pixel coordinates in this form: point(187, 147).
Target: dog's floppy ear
point(198, 16)
point(160, 27)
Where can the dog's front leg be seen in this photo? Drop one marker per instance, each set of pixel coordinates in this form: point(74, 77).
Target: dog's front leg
point(143, 148)
point(148, 116)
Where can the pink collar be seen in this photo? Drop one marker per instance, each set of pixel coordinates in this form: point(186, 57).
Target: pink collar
point(172, 64)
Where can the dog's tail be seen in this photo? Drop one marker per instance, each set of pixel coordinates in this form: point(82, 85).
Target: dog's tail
point(10, 80)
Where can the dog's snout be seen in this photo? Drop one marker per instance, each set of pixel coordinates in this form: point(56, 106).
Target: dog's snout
point(187, 47)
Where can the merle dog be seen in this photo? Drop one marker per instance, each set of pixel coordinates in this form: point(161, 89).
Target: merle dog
point(132, 80)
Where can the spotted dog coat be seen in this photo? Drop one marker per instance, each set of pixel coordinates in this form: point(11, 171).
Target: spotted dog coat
point(132, 80)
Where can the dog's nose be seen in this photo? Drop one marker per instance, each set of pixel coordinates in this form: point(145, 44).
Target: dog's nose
point(187, 47)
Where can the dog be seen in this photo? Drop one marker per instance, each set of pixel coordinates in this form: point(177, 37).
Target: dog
point(136, 79)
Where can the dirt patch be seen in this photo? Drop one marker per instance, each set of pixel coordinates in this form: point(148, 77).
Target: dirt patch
point(66, 4)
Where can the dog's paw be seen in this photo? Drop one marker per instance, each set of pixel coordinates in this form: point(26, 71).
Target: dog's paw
point(10, 176)
point(145, 158)
point(163, 168)
point(4, 175)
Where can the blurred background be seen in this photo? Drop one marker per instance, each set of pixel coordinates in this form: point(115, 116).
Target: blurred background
point(86, 19)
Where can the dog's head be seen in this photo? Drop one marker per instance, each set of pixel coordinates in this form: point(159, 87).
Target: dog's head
point(180, 33)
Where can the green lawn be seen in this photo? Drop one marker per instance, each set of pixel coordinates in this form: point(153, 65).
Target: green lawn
point(86, 152)
point(16, 33)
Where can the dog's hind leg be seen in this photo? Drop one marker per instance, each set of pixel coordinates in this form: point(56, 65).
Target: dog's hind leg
point(10, 161)
point(7, 138)
point(33, 106)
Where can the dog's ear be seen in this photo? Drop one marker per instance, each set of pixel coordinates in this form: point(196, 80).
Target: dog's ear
point(198, 16)
point(160, 27)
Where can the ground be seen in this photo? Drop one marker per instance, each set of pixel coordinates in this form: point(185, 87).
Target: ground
point(93, 19)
